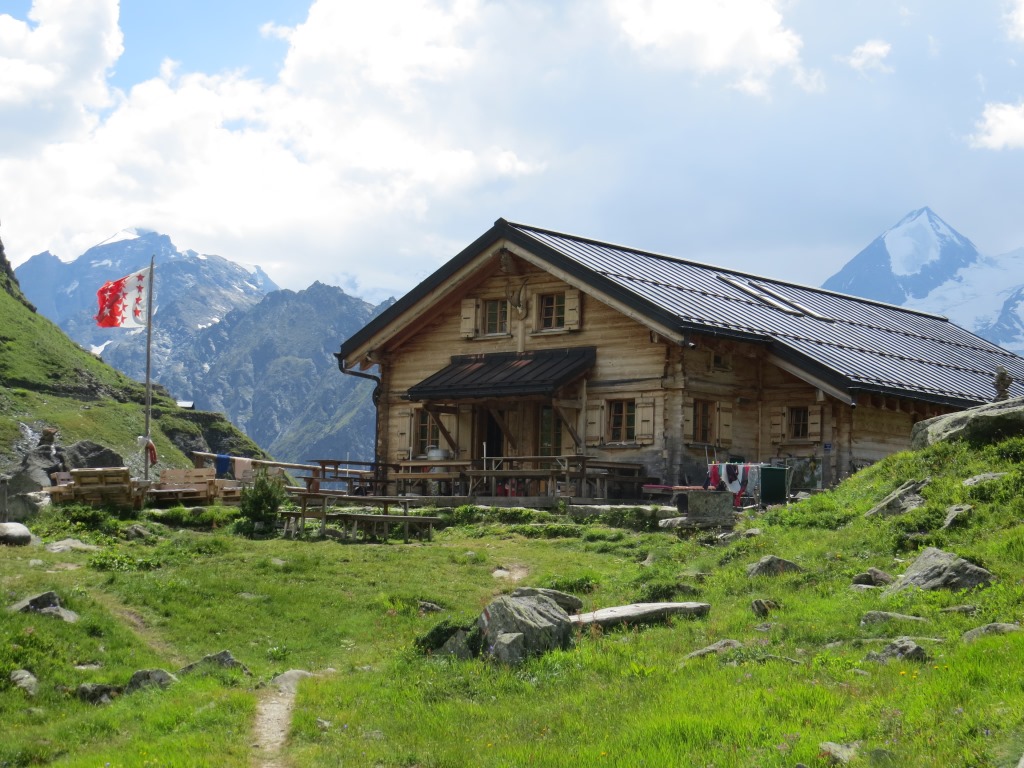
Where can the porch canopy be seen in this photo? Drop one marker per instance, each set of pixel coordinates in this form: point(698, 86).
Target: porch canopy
point(505, 374)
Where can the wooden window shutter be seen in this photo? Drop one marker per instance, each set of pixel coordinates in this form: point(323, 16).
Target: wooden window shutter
point(572, 309)
point(814, 423)
point(403, 421)
point(595, 422)
point(724, 423)
point(778, 424)
point(644, 432)
point(687, 419)
point(468, 327)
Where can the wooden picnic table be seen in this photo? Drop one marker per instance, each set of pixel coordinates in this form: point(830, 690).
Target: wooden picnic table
point(295, 520)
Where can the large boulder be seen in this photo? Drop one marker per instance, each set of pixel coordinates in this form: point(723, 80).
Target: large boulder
point(902, 500)
point(935, 569)
point(770, 565)
point(569, 603)
point(543, 623)
point(980, 426)
point(14, 535)
point(86, 454)
point(35, 469)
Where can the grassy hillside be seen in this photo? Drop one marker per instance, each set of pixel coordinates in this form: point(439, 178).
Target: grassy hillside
point(350, 612)
point(46, 380)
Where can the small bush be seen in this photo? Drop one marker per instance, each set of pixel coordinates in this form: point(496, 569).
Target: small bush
point(583, 584)
point(121, 563)
point(548, 530)
point(467, 514)
point(261, 501)
point(632, 518)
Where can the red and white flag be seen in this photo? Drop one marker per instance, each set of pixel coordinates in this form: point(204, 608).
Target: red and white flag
point(123, 302)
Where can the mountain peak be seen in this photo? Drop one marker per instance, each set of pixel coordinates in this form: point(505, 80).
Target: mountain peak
point(921, 238)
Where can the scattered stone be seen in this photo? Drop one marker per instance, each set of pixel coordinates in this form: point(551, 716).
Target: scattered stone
point(838, 754)
point(323, 725)
point(35, 563)
point(751, 533)
point(727, 537)
point(136, 531)
point(70, 545)
point(766, 627)
point(47, 604)
point(648, 561)
point(984, 477)
point(222, 659)
point(873, 577)
point(425, 606)
point(770, 565)
point(722, 646)
point(288, 682)
point(956, 514)
point(543, 623)
point(509, 648)
point(900, 648)
point(14, 535)
point(935, 569)
point(964, 609)
point(863, 587)
point(98, 693)
point(568, 603)
point(989, 629)
point(762, 608)
point(22, 678)
point(902, 500)
point(457, 645)
point(90, 667)
point(148, 678)
point(639, 613)
point(879, 617)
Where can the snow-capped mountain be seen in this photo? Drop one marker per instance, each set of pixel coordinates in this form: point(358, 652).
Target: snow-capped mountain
point(923, 263)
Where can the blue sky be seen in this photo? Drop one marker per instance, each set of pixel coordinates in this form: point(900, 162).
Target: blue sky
point(363, 144)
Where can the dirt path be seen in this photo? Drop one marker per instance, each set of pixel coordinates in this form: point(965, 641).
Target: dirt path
point(274, 718)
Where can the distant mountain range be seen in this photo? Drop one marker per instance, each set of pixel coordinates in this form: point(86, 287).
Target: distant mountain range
point(225, 338)
point(923, 263)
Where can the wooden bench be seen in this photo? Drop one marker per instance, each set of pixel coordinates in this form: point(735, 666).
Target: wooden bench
point(180, 486)
point(295, 520)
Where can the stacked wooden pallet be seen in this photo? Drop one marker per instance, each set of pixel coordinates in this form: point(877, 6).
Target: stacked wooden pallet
point(102, 486)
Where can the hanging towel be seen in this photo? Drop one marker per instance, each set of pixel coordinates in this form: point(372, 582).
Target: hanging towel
point(222, 464)
point(243, 468)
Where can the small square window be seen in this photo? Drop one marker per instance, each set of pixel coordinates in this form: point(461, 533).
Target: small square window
point(797, 423)
point(621, 421)
point(552, 311)
point(495, 317)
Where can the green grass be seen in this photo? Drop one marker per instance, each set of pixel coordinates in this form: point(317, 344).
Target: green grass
point(618, 698)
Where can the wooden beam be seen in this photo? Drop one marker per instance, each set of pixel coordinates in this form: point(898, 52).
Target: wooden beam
point(568, 424)
point(432, 412)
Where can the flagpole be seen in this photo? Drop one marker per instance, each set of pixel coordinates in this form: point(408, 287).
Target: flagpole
point(149, 347)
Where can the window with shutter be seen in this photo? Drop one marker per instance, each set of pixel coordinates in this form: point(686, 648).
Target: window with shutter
point(814, 423)
point(644, 421)
point(595, 423)
point(468, 322)
point(572, 310)
point(688, 420)
point(778, 424)
point(724, 424)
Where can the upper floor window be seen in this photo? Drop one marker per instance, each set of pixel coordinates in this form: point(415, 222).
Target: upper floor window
point(621, 421)
point(495, 316)
point(552, 311)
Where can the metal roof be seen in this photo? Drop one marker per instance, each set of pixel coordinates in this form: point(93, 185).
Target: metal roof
point(505, 374)
point(852, 343)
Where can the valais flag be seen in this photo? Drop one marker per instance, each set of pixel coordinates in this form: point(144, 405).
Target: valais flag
point(123, 302)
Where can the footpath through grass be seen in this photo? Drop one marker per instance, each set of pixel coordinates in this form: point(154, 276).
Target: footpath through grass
point(352, 612)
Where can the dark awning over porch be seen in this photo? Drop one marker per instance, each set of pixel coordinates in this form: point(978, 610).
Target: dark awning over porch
point(505, 374)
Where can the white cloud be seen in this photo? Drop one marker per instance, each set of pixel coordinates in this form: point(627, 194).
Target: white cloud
point(1015, 20)
point(742, 38)
point(870, 56)
point(1001, 127)
point(53, 70)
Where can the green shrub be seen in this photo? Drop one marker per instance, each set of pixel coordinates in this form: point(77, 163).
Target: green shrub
point(467, 514)
point(261, 501)
point(633, 518)
point(583, 584)
point(548, 530)
point(205, 518)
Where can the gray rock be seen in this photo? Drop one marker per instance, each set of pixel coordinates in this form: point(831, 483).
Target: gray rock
point(61, 613)
point(38, 602)
point(984, 477)
point(880, 617)
point(288, 682)
point(509, 648)
point(543, 623)
point(956, 514)
point(639, 613)
point(751, 533)
point(900, 648)
point(989, 629)
point(148, 678)
point(935, 569)
point(881, 577)
point(87, 454)
point(838, 754)
point(22, 678)
point(722, 646)
point(770, 565)
point(14, 535)
point(568, 603)
point(222, 659)
point(98, 693)
point(762, 608)
point(982, 425)
point(863, 587)
point(70, 545)
point(457, 645)
point(902, 500)
point(967, 610)
point(135, 532)
point(425, 606)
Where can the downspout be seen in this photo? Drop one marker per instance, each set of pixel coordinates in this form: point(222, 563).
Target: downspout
point(378, 468)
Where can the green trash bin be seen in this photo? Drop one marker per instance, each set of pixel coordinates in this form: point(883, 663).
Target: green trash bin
point(773, 485)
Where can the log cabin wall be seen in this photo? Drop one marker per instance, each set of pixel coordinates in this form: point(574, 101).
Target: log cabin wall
point(719, 399)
